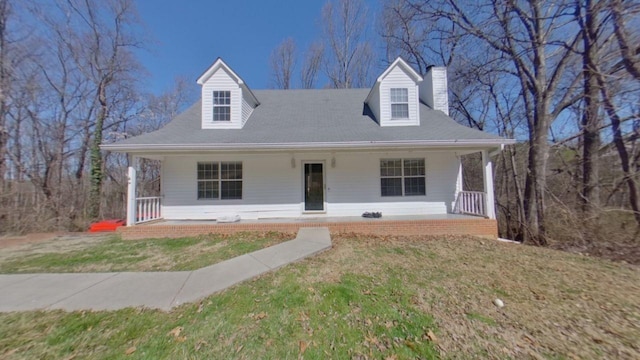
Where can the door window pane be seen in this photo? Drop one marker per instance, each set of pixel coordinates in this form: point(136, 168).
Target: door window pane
point(313, 187)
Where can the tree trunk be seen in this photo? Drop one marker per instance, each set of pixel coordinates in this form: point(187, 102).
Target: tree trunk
point(590, 121)
point(96, 157)
point(628, 54)
point(535, 184)
point(4, 132)
point(618, 141)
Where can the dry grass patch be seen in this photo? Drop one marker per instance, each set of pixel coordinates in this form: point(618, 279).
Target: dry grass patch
point(556, 303)
point(114, 254)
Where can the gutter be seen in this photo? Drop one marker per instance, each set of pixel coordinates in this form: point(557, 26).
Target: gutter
point(309, 145)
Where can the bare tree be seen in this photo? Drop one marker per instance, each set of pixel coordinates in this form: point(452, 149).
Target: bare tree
point(628, 53)
point(105, 28)
point(349, 55)
point(283, 62)
point(311, 65)
point(527, 37)
point(5, 11)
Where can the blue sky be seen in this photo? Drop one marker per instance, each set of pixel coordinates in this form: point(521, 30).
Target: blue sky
point(187, 36)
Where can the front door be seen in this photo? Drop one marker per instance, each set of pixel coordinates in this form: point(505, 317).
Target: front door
point(314, 187)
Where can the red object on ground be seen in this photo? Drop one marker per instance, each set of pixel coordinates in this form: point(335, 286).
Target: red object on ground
point(106, 225)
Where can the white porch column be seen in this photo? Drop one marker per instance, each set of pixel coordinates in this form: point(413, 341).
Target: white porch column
point(488, 184)
point(131, 191)
point(459, 184)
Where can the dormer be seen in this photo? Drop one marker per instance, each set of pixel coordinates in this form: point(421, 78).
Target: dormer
point(394, 98)
point(227, 102)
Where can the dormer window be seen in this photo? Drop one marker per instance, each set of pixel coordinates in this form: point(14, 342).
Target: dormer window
point(399, 103)
point(222, 106)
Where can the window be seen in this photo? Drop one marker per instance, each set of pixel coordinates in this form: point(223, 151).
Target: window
point(400, 103)
point(220, 180)
point(222, 106)
point(402, 177)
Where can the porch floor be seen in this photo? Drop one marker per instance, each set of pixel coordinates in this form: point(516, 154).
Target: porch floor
point(313, 219)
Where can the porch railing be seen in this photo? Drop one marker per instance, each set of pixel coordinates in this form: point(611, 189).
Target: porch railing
point(148, 208)
point(471, 203)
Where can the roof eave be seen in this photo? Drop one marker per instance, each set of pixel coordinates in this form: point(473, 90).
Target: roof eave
point(399, 61)
point(481, 143)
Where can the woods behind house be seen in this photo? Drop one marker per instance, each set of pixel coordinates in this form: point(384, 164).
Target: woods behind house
point(563, 77)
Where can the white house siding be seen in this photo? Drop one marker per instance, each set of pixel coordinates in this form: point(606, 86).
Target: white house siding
point(221, 81)
point(397, 78)
point(246, 109)
point(272, 188)
point(269, 188)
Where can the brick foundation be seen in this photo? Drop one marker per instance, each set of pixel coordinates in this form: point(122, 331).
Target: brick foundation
point(471, 226)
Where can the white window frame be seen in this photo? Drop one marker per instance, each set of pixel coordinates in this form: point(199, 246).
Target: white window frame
point(219, 180)
point(225, 97)
point(404, 176)
point(394, 100)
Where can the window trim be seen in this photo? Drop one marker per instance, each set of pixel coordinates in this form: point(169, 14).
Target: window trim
point(404, 176)
point(392, 102)
point(219, 180)
point(227, 104)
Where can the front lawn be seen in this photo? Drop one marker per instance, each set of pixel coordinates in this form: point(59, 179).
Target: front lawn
point(375, 298)
point(115, 254)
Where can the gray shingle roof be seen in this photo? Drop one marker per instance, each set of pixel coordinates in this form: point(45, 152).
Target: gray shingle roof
point(306, 117)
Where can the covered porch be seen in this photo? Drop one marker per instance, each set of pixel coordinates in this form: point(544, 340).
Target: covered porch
point(460, 205)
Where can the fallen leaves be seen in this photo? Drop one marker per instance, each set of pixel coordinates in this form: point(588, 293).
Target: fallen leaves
point(176, 331)
point(176, 334)
point(303, 346)
point(200, 344)
point(259, 316)
point(431, 336)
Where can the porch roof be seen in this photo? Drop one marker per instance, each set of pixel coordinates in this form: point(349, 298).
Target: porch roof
point(309, 119)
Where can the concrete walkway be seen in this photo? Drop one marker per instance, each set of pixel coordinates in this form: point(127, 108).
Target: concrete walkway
point(160, 290)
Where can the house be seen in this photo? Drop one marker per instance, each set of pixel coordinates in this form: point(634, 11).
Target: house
point(313, 154)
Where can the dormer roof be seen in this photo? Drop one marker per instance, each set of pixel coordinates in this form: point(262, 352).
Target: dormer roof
point(405, 66)
point(220, 64)
point(398, 62)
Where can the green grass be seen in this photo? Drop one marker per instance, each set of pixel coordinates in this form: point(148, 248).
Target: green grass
point(374, 298)
point(356, 316)
point(115, 254)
